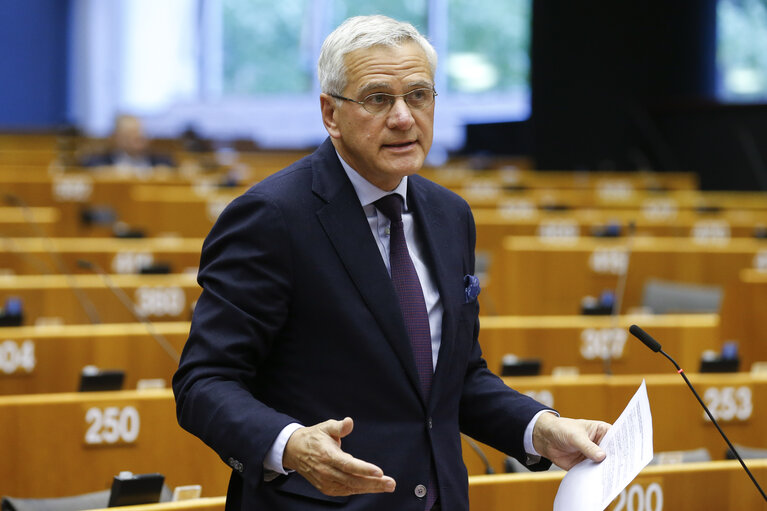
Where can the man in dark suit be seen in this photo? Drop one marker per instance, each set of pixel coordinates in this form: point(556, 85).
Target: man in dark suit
point(129, 151)
point(333, 358)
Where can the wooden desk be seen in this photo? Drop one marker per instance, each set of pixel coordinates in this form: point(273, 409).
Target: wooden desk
point(35, 426)
point(49, 359)
point(485, 193)
point(492, 225)
point(456, 176)
point(45, 297)
point(202, 504)
point(743, 315)
point(177, 210)
point(585, 342)
point(14, 223)
point(710, 485)
point(67, 444)
point(32, 256)
point(551, 278)
point(738, 401)
point(71, 193)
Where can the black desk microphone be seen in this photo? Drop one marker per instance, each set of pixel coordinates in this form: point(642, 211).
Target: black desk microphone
point(654, 345)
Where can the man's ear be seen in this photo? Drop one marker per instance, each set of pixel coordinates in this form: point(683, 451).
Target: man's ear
point(329, 107)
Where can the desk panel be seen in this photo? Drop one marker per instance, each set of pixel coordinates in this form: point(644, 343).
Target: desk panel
point(67, 444)
point(34, 256)
point(545, 278)
point(714, 485)
point(15, 222)
point(54, 298)
point(743, 315)
point(585, 342)
point(49, 359)
point(739, 401)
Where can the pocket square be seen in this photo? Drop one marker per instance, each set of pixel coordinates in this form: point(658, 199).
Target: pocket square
point(472, 288)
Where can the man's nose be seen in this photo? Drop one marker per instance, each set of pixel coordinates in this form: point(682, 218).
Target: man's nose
point(400, 116)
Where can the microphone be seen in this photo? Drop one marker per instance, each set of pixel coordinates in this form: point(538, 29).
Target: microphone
point(474, 447)
point(50, 249)
point(655, 346)
point(126, 301)
point(647, 340)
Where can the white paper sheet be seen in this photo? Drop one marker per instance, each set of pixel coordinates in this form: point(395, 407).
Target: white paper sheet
point(590, 486)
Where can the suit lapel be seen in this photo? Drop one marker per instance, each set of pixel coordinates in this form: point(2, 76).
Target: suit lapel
point(344, 222)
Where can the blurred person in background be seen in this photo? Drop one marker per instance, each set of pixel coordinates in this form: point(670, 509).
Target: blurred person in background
point(129, 150)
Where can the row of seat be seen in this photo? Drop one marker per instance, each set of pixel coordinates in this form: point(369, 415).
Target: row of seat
point(44, 359)
point(507, 205)
point(198, 202)
point(95, 298)
point(712, 485)
point(737, 401)
point(529, 275)
point(85, 438)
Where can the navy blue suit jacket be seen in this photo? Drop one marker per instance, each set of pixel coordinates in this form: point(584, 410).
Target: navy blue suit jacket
point(298, 321)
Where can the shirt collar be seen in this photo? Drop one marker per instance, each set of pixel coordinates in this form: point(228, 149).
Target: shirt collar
point(367, 192)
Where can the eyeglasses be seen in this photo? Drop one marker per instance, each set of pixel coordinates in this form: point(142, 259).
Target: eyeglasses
point(380, 102)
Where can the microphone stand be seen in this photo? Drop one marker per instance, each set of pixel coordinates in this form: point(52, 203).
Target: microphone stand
point(488, 467)
point(654, 345)
point(620, 290)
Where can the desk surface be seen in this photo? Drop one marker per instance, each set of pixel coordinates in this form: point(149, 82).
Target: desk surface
point(713, 485)
point(716, 485)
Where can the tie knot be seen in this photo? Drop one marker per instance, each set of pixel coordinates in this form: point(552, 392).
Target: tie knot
point(391, 206)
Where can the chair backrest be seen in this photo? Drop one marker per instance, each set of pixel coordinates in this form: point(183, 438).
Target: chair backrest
point(664, 297)
point(747, 452)
point(689, 456)
point(96, 500)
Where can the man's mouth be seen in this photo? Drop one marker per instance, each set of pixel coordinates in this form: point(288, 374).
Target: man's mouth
point(400, 144)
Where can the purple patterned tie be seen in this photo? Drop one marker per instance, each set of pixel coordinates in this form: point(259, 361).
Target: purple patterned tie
point(413, 305)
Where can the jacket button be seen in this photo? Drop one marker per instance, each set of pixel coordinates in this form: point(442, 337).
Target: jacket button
point(420, 491)
point(429, 423)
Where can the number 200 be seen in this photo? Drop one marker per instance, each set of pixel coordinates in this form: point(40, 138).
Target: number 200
point(642, 497)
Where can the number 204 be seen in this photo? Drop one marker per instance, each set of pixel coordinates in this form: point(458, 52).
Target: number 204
point(112, 425)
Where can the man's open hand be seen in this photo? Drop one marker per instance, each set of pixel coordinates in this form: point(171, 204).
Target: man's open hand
point(315, 453)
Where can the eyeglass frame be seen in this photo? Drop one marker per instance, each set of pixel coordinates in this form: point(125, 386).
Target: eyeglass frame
point(393, 96)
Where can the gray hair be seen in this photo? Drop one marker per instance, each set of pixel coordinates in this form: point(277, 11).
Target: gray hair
point(361, 32)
